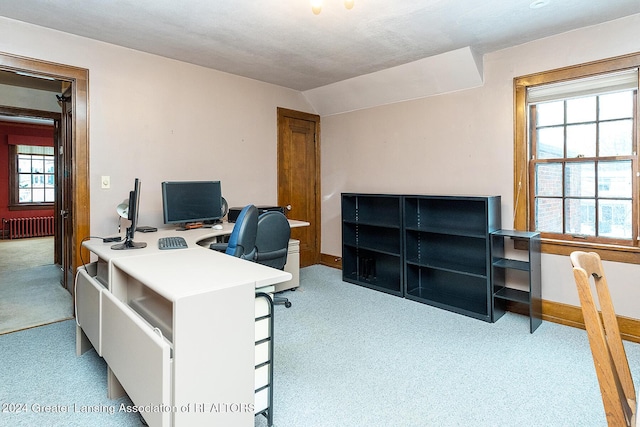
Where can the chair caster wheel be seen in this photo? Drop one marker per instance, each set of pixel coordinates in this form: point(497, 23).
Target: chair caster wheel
point(287, 304)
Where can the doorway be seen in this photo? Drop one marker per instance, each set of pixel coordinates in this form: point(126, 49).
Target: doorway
point(75, 172)
point(30, 275)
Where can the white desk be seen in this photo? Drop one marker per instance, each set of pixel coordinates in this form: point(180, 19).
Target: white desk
point(198, 237)
point(176, 327)
point(195, 238)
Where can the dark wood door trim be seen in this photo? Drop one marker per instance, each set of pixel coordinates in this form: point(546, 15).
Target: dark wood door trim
point(79, 80)
point(283, 113)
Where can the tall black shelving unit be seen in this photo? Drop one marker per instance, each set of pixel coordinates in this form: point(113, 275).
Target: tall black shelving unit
point(372, 241)
point(447, 252)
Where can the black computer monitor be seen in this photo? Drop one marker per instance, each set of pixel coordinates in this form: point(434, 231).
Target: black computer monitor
point(189, 202)
point(134, 209)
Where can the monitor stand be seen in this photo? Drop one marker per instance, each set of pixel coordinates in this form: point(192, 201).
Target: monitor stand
point(129, 244)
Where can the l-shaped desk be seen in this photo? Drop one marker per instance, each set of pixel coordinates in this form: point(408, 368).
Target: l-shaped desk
point(181, 331)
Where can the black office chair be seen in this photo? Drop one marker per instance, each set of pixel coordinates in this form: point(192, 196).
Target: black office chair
point(242, 241)
point(272, 244)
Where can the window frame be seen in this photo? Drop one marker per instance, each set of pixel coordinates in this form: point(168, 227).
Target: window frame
point(14, 203)
point(523, 172)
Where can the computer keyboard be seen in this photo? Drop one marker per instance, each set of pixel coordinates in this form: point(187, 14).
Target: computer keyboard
point(172, 243)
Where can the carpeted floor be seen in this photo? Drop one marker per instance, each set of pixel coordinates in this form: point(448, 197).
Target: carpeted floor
point(42, 377)
point(30, 290)
point(25, 253)
point(32, 297)
point(347, 356)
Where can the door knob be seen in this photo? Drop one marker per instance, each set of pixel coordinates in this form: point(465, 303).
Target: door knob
point(288, 207)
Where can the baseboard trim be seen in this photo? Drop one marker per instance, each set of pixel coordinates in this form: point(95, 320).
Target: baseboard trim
point(331, 261)
point(570, 315)
point(556, 312)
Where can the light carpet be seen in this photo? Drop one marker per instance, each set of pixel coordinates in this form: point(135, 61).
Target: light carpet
point(44, 383)
point(25, 253)
point(32, 297)
point(347, 356)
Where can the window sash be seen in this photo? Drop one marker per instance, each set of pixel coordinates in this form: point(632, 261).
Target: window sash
point(33, 176)
point(553, 204)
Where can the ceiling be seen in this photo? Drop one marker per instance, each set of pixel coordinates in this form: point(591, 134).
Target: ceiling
point(282, 42)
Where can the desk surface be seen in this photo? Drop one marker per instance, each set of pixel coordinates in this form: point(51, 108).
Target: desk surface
point(195, 269)
point(195, 238)
point(180, 273)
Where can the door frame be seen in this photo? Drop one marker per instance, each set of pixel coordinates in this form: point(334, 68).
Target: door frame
point(79, 80)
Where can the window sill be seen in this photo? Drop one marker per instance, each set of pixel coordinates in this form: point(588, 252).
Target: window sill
point(618, 253)
point(31, 207)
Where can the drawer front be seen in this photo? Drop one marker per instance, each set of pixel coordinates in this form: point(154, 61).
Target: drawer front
point(263, 329)
point(138, 357)
point(262, 400)
point(292, 266)
point(89, 307)
point(262, 376)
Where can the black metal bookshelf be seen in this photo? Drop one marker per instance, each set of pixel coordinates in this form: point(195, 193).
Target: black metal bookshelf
point(372, 241)
point(431, 249)
point(525, 273)
point(447, 252)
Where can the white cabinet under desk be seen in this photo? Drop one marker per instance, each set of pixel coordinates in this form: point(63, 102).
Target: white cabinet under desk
point(177, 330)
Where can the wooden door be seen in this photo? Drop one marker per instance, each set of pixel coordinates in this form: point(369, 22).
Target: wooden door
point(299, 178)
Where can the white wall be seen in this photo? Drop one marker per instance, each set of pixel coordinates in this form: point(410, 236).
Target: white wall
point(462, 143)
point(159, 119)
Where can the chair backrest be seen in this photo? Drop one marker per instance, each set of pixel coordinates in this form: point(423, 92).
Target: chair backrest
point(609, 357)
point(272, 241)
point(242, 241)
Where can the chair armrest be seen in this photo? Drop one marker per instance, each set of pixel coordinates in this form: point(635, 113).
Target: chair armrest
point(220, 247)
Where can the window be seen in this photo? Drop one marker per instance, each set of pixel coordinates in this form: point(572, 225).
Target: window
point(576, 158)
point(33, 176)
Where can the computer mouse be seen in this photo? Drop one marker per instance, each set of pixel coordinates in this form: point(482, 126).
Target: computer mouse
point(218, 226)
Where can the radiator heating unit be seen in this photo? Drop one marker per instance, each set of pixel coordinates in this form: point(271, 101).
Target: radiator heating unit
point(30, 227)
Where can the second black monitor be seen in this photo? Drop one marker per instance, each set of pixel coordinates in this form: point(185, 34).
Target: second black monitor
point(187, 202)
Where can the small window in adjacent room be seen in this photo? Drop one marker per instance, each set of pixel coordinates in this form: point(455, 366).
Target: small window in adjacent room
point(33, 175)
point(576, 174)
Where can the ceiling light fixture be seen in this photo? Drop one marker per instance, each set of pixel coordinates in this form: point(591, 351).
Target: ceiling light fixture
point(316, 5)
point(537, 4)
